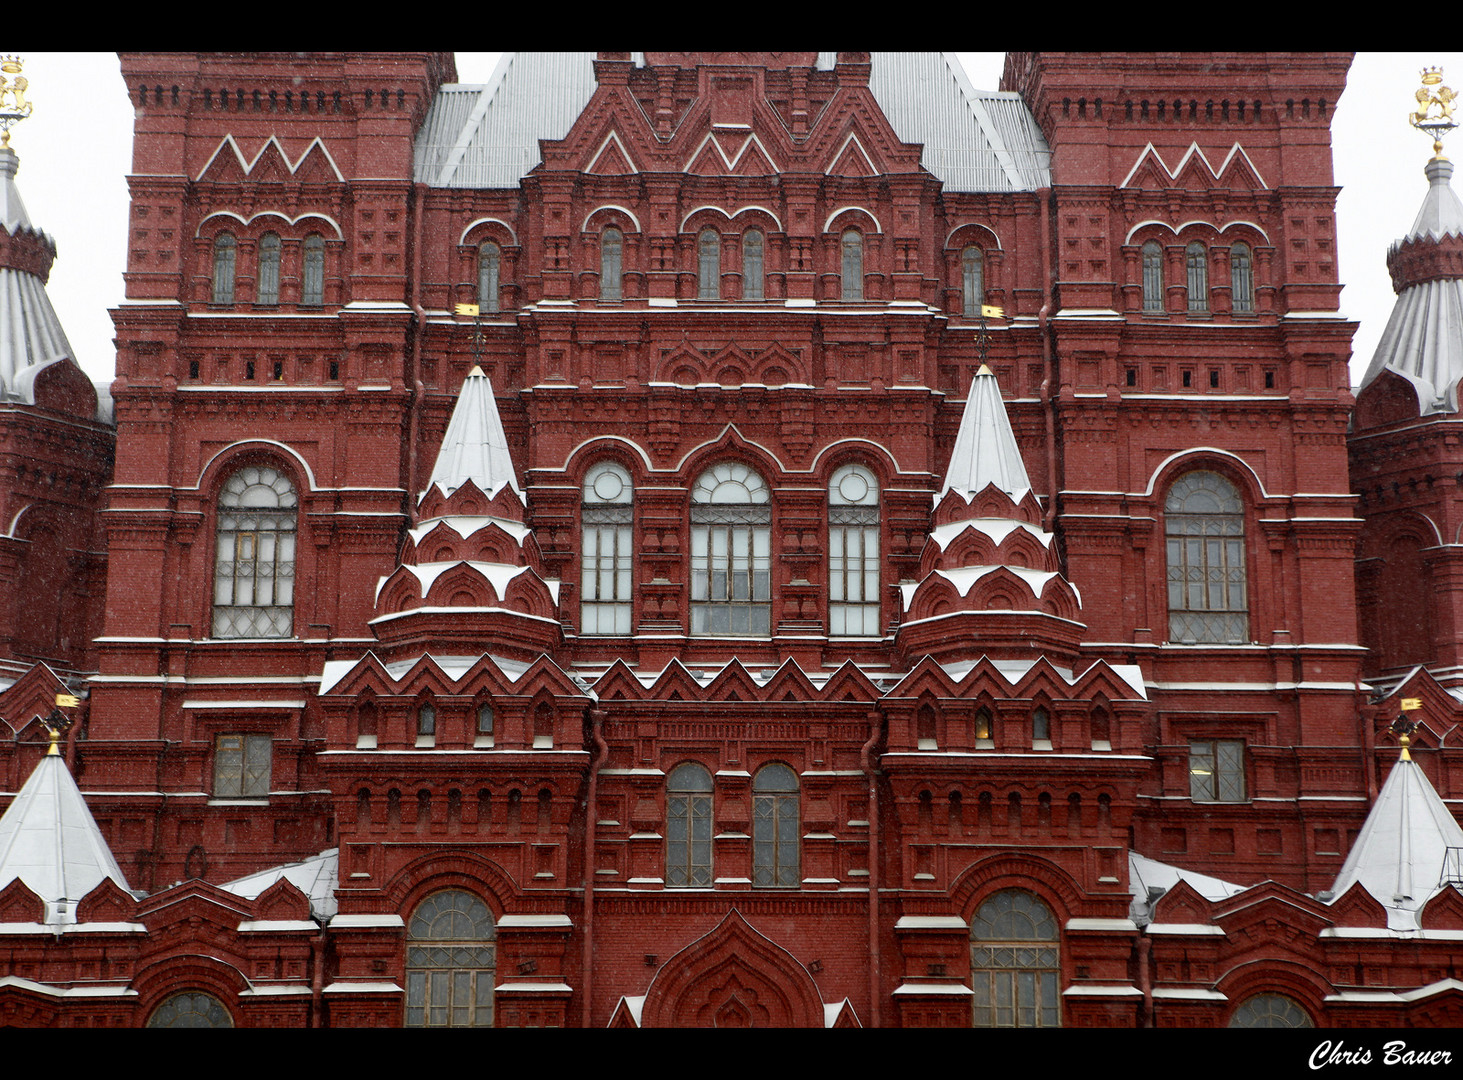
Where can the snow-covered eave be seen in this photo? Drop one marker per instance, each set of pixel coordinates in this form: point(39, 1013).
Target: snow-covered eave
point(965, 577)
point(498, 575)
point(451, 667)
point(996, 528)
point(434, 610)
point(466, 525)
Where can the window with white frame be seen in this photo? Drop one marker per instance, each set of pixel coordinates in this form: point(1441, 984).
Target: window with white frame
point(254, 567)
point(451, 960)
point(1270, 1011)
point(688, 827)
point(853, 553)
point(607, 517)
point(1204, 525)
point(1015, 962)
point(776, 837)
point(731, 552)
point(241, 766)
point(1217, 770)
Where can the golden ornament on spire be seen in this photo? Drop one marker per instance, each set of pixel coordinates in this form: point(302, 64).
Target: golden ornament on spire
point(13, 106)
point(1435, 105)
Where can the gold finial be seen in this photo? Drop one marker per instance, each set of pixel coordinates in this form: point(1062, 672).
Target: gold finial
point(13, 106)
point(1406, 741)
point(1432, 95)
point(54, 750)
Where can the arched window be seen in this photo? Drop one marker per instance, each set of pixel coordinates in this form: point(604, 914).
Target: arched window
point(731, 552)
point(490, 260)
point(191, 1009)
point(853, 265)
point(266, 290)
point(753, 272)
point(1204, 523)
point(853, 553)
point(606, 562)
point(775, 834)
point(1014, 963)
point(1197, 256)
point(972, 280)
point(225, 251)
point(1242, 279)
point(1270, 1011)
point(312, 291)
point(688, 827)
point(611, 249)
point(254, 568)
point(708, 265)
point(450, 960)
point(1152, 276)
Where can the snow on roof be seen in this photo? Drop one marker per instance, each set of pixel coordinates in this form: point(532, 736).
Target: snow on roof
point(454, 667)
point(1400, 853)
point(475, 447)
point(996, 528)
point(316, 877)
point(497, 574)
point(985, 447)
point(1145, 874)
point(466, 525)
point(50, 841)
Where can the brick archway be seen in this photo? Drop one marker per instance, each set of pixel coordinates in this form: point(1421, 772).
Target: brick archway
point(732, 977)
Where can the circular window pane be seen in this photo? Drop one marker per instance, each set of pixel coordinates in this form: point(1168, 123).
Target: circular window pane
point(191, 1010)
point(1270, 1010)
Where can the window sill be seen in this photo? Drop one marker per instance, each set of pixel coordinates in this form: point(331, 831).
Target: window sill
point(238, 800)
point(985, 744)
point(1101, 744)
point(365, 742)
point(425, 741)
point(1042, 744)
point(543, 742)
point(482, 741)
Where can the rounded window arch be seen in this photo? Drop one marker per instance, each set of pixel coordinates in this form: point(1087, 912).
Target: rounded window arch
point(266, 286)
point(853, 553)
point(1015, 962)
point(1204, 526)
point(225, 255)
point(611, 264)
point(254, 562)
point(688, 827)
point(754, 251)
point(312, 288)
point(1242, 278)
point(490, 265)
point(731, 552)
point(191, 1009)
point(1153, 277)
point(776, 837)
point(708, 265)
point(972, 280)
point(607, 517)
point(451, 958)
point(1270, 1011)
point(851, 266)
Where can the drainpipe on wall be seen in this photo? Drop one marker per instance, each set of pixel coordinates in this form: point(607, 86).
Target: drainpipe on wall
point(1145, 982)
point(1368, 745)
point(866, 759)
point(1048, 371)
point(419, 330)
point(317, 982)
point(601, 752)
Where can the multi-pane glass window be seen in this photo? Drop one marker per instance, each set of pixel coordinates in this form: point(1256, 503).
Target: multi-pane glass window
point(775, 835)
point(191, 1009)
point(254, 569)
point(972, 280)
point(426, 724)
point(1152, 276)
point(1217, 770)
point(607, 559)
point(731, 552)
point(708, 265)
point(1197, 258)
point(1270, 1011)
point(267, 287)
point(225, 252)
point(688, 827)
point(241, 766)
point(450, 962)
point(753, 251)
point(1207, 590)
point(611, 251)
point(853, 265)
point(1014, 962)
point(1242, 279)
point(490, 261)
point(312, 290)
point(853, 553)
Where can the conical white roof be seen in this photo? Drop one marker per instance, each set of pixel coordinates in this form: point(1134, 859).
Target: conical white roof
point(475, 447)
point(1398, 855)
point(50, 841)
point(985, 448)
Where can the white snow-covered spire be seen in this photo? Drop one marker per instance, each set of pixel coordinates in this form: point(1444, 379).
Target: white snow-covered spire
point(475, 447)
point(1399, 853)
point(50, 841)
point(985, 448)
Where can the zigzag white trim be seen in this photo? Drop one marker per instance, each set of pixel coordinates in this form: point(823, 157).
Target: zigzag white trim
point(624, 151)
point(730, 163)
point(248, 166)
point(1189, 153)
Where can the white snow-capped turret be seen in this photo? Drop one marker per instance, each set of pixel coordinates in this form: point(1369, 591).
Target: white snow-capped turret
point(985, 448)
point(475, 447)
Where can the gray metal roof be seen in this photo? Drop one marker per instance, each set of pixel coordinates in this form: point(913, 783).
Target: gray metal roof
point(985, 447)
point(315, 877)
point(1423, 341)
point(488, 136)
point(1399, 854)
point(475, 447)
point(50, 841)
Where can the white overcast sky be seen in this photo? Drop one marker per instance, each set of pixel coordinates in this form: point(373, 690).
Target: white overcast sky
point(75, 153)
